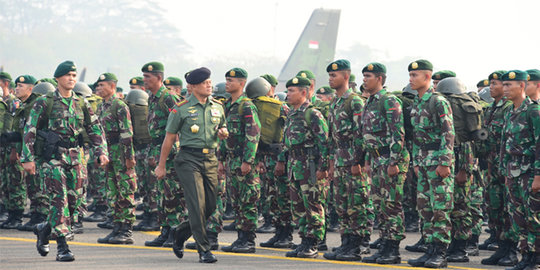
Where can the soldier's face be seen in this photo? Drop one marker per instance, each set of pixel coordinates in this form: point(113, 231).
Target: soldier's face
point(435, 83)
point(336, 79)
point(67, 81)
point(23, 91)
point(419, 79)
point(513, 89)
point(496, 89)
point(202, 89)
point(151, 81)
point(532, 88)
point(233, 85)
point(296, 95)
point(105, 89)
point(371, 82)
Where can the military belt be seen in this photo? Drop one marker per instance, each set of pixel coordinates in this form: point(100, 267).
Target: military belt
point(430, 146)
point(68, 145)
point(198, 150)
point(299, 151)
point(380, 151)
point(113, 140)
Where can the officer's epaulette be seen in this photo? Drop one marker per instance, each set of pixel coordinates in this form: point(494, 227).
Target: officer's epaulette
point(217, 101)
point(180, 103)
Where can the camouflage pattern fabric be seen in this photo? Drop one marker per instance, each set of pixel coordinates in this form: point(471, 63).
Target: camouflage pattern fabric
point(461, 215)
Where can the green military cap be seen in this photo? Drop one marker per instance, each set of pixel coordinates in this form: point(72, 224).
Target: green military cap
point(27, 79)
point(341, 64)
point(173, 81)
point(534, 74)
point(64, 68)
point(325, 90)
point(482, 83)
point(153, 67)
point(420, 64)
point(107, 77)
point(136, 81)
point(443, 74)
point(298, 81)
point(49, 80)
point(352, 78)
point(236, 73)
point(515, 75)
point(119, 89)
point(270, 79)
point(496, 75)
point(5, 76)
point(374, 68)
point(306, 74)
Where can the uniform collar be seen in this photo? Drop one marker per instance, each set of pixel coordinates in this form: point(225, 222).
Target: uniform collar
point(160, 91)
point(193, 100)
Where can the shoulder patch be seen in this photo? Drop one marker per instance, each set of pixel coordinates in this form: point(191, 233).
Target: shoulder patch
point(181, 103)
point(217, 101)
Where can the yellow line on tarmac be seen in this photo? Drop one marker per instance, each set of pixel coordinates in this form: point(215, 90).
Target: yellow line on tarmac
point(240, 254)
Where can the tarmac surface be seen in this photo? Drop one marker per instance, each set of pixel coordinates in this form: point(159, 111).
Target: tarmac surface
point(18, 251)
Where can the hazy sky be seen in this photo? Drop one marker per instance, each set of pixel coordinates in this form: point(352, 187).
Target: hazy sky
point(472, 38)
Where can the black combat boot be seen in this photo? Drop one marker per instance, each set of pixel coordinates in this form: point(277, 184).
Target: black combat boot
point(267, 227)
point(438, 258)
point(207, 257)
point(420, 261)
point(322, 246)
point(390, 254)
point(64, 254)
point(43, 233)
point(472, 246)
point(247, 243)
point(491, 241)
point(124, 235)
point(273, 239)
point(170, 240)
point(151, 223)
point(420, 246)
point(510, 258)
point(77, 227)
point(14, 220)
point(458, 253)
point(107, 224)
point(499, 254)
point(351, 252)
point(376, 244)
point(381, 248)
point(180, 237)
point(99, 215)
point(310, 250)
point(526, 259)
point(345, 238)
point(364, 245)
point(285, 240)
point(230, 227)
point(412, 224)
point(3, 213)
point(35, 219)
point(236, 242)
point(213, 240)
point(162, 237)
point(534, 263)
point(116, 229)
point(299, 248)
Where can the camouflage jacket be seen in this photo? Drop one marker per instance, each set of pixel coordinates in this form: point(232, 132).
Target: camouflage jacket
point(465, 158)
point(493, 122)
point(21, 115)
point(520, 148)
point(67, 119)
point(117, 125)
point(244, 130)
point(159, 113)
point(299, 135)
point(344, 130)
point(12, 104)
point(433, 142)
point(383, 131)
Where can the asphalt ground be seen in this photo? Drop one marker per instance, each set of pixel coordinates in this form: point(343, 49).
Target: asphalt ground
point(18, 251)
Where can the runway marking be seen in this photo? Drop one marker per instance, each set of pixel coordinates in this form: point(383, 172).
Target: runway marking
point(252, 255)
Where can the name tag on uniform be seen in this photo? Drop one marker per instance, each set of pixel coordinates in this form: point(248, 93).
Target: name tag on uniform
point(215, 112)
point(193, 114)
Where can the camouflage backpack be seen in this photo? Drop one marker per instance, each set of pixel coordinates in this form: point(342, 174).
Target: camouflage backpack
point(407, 100)
point(272, 123)
point(323, 109)
point(139, 121)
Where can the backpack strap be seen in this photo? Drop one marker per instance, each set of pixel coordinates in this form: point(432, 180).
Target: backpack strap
point(348, 103)
point(242, 105)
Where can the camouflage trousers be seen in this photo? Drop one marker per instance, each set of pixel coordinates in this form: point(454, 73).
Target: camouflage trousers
point(461, 214)
point(245, 193)
point(141, 169)
point(387, 196)
point(215, 221)
point(122, 183)
point(477, 200)
point(409, 193)
point(435, 203)
point(278, 198)
point(351, 194)
point(97, 182)
point(149, 188)
point(14, 186)
point(533, 218)
point(497, 199)
point(81, 197)
point(308, 204)
point(39, 202)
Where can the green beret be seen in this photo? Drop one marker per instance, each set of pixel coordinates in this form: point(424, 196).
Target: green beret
point(534, 74)
point(236, 73)
point(5, 76)
point(515, 75)
point(325, 90)
point(136, 81)
point(64, 68)
point(374, 68)
point(173, 81)
point(119, 89)
point(306, 74)
point(12, 85)
point(199, 75)
point(92, 86)
point(443, 74)
point(421, 64)
point(482, 83)
point(298, 81)
point(352, 78)
point(27, 79)
point(496, 75)
point(107, 77)
point(270, 79)
point(153, 67)
point(341, 64)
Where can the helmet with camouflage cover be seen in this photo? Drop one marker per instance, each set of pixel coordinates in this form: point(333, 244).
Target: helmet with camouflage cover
point(257, 87)
point(138, 97)
point(485, 95)
point(82, 89)
point(43, 88)
point(220, 91)
point(451, 85)
point(282, 96)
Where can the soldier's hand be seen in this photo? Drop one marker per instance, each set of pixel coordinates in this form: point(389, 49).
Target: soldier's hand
point(130, 163)
point(245, 168)
point(221, 169)
point(29, 167)
point(160, 171)
point(392, 170)
point(280, 168)
point(416, 170)
point(536, 184)
point(103, 161)
point(461, 177)
point(13, 156)
point(261, 168)
point(322, 175)
point(152, 162)
point(223, 133)
point(356, 170)
point(442, 171)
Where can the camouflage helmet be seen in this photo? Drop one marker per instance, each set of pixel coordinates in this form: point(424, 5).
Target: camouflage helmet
point(451, 85)
point(408, 89)
point(220, 91)
point(282, 96)
point(82, 89)
point(43, 88)
point(137, 97)
point(485, 94)
point(257, 87)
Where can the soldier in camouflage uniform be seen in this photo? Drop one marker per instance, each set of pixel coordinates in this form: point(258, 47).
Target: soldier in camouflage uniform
point(533, 85)
point(11, 104)
point(388, 158)
point(520, 164)
point(305, 137)
point(239, 152)
point(351, 187)
point(433, 161)
point(115, 118)
point(68, 116)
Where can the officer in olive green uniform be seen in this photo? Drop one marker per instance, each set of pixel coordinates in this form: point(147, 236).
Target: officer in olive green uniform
point(199, 121)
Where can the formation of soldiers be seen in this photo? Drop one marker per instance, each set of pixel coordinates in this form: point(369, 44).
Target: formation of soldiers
point(316, 160)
